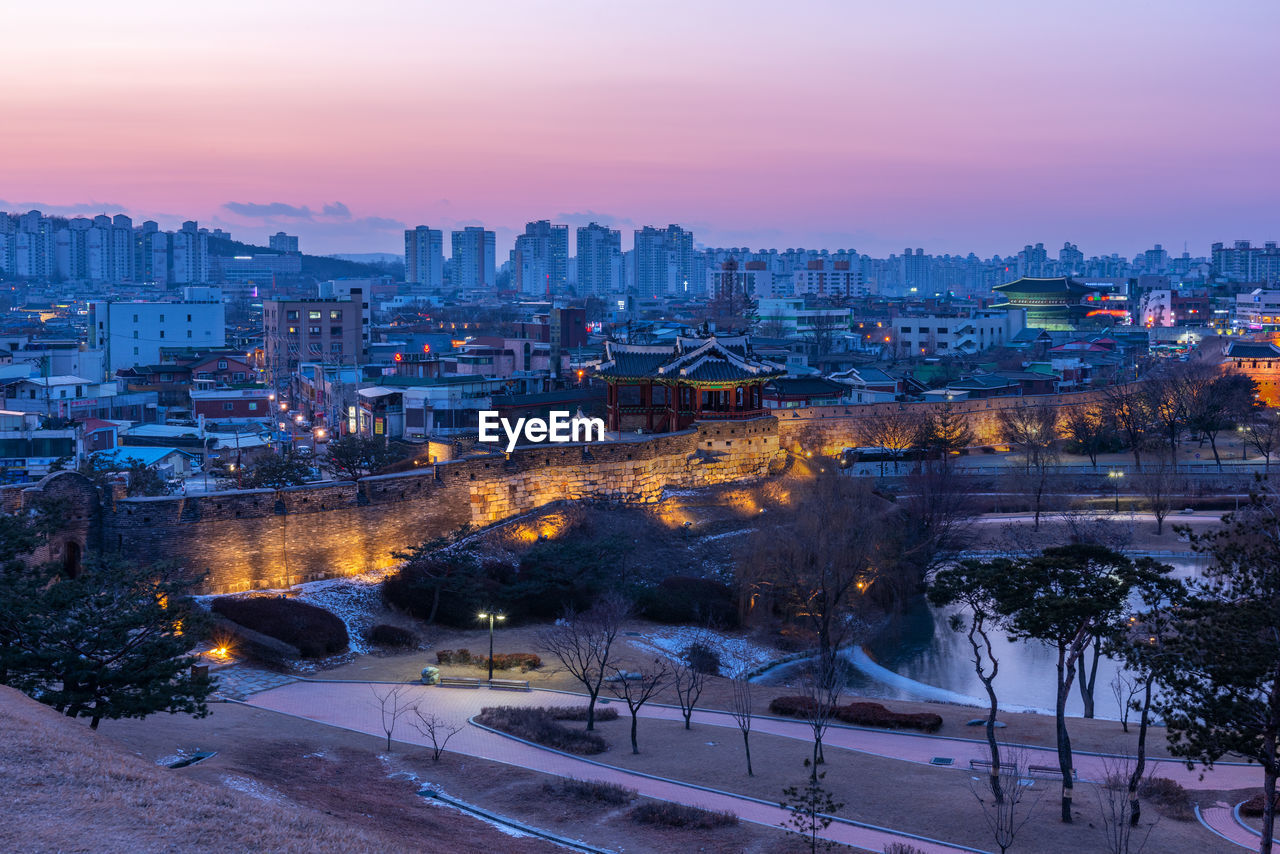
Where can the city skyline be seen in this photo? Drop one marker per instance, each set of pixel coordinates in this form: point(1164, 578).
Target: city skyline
point(836, 125)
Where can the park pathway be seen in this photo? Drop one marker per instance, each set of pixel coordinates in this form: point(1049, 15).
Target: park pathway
point(352, 705)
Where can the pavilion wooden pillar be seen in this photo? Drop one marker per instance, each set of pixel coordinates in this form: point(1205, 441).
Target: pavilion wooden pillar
point(646, 400)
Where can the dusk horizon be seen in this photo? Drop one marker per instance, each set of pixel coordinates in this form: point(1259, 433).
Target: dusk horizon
point(834, 125)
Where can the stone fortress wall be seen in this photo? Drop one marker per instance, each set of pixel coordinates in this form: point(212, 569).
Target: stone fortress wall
point(264, 538)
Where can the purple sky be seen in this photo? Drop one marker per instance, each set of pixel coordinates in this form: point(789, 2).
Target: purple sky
point(952, 126)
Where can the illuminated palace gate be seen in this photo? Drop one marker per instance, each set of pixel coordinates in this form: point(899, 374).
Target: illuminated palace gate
point(663, 388)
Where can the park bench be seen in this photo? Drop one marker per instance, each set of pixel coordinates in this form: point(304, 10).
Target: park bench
point(459, 682)
point(1042, 771)
point(509, 684)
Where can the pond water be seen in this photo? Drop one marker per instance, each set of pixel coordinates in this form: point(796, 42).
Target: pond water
point(921, 658)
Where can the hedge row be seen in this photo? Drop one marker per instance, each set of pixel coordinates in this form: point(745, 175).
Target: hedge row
point(668, 814)
point(860, 714)
point(386, 635)
point(541, 726)
point(525, 661)
point(314, 631)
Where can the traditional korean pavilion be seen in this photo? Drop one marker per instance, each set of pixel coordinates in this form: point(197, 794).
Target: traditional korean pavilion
point(1049, 303)
point(663, 388)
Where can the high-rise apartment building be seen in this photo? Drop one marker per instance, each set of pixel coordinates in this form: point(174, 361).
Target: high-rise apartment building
point(599, 260)
point(474, 259)
point(540, 259)
point(666, 264)
point(281, 242)
point(424, 257)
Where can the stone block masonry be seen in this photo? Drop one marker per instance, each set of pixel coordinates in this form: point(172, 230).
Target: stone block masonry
point(261, 539)
point(264, 539)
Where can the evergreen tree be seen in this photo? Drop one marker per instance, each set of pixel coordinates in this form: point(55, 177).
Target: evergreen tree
point(112, 643)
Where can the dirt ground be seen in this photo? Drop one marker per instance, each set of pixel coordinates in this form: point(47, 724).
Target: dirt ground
point(351, 778)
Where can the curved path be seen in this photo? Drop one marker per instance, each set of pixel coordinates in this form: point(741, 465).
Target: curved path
point(351, 705)
point(1225, 821)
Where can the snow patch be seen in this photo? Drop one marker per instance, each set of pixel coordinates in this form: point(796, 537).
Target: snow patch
point(252, 788)
point(738, 655)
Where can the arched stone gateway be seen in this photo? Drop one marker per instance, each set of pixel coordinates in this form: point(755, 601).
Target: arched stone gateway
point(74, 502)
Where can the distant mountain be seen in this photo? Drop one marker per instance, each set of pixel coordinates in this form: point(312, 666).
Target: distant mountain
point(370, 257)
point(321, 266)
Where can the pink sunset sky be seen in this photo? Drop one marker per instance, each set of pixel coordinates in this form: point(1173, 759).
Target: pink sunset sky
point(954, 126)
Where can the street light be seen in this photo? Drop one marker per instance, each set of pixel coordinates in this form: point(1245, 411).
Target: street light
point(1244, 449)
point(1115, 475)
point(491, 617)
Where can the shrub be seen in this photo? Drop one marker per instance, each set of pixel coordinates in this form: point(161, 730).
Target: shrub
point(860, 714)
point(589, 790)
point(790, 707)
point(314, 631)
point(449, 656)
point(579, 713)
point(1170, 798)
point(540, 726)
point(385, 635)
point(683, 599)
point(876, 715)
point(666, 814)
point(702, 658)
point(1253, 806)
point(525, 661)
point(901, 848)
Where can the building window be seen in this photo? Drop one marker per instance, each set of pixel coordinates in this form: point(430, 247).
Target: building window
point(162, 318)
point(161, 333)
point(291, 315)
point(335, 314)
point(315, 330)
point(253, 406)
point(228, 406)
point(222, 365)
point(335, 347)
point(313, 315)
point(335, 330)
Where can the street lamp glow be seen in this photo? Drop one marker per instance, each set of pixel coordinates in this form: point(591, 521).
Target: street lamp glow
point(491, 617)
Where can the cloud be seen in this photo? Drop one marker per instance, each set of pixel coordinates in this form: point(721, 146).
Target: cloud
point(271, 209)
point(337, 209)
point(379, 222)
point(62, 210)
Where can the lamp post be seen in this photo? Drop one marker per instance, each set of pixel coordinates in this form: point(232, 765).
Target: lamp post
point(491, 616)
point(1115, 476)
point(1244, 448)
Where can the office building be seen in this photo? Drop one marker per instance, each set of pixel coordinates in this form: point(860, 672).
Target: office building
point(331, 331)
point(133, 333)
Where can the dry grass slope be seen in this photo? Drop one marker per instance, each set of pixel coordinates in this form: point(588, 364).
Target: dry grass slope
point(68, 790)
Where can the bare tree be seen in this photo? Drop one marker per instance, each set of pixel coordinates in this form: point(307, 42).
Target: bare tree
point(1120, 826)
point(894, 431)
point(1131, 409)
point(1007, 804)
point(1263, 433)
point(689, 677)
point(1032, 431)
point(1157, 484)
point(435, 729)
point(820, 555)
point(823, 685)
point(393, 703)
point(740, 708)
point(583, 644)
point(1089, 429)
point(1125, 688)
point(636, 689)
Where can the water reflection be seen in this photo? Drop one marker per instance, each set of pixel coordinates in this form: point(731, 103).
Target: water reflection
point(922, 658)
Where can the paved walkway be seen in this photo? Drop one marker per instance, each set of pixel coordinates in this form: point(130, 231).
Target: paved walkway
point(1224, 820)
point(238, 681)
point(353, 706)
